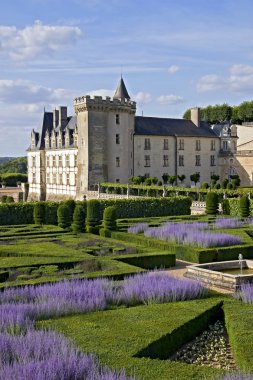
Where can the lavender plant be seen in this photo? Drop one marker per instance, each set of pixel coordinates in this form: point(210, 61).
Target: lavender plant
point(237, 376)
point(245, 294)
point(192, 234)
point(228, 223)
point(157, 287)
point(46, 355)
point(138, 228)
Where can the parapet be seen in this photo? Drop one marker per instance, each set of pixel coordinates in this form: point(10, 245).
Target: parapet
point(96, 102)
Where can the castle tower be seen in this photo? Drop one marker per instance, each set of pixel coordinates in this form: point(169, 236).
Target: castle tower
point(105, 138)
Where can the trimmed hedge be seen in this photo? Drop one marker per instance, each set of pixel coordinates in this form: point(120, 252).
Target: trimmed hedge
point(140, 208)
point(64, 214)
point(11, 179)
point(150, 261)
point(79, 215)
point(244, 204)
point(93, 216)
point(4, 275)
point(39, 213)
point(231, 206)
point(16, 213)
point(212, 203)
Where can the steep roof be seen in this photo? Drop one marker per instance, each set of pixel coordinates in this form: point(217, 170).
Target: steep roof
point(171, 127)
point(121, 92)
point(46, 125)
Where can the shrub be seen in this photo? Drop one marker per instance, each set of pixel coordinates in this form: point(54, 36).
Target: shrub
point(64, 216)
point(78, 224)
point(16, 213)
point(51, 212)
point(39, 213)
point(217, 186)
point(93, 216)
point(204, 185)
point(212, 203)
point(229, 186)
point(244, 204)
point(224, 183)
point(11, 179)
point(9, 199)
point(109, 218)
point(4, 199)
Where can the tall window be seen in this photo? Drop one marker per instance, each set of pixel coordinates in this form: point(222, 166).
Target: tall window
point(147, 161)
point(60, 178)
point(224, 145)
point(212, 144)
point(48, 178)
point(165, 160)
point(212, 160)
point(165, 144)
point(47, 161)
point(117, 139)
point(181, 144)
point(198, 147)
point(60, 161)
point(197, 160)
point(34, 178)
point(54, 178)
point(147, 145)
point(117, 162)
point(181, 160)
point(67, 179)
point(67, 160)
point(75, 160)
point(117, 119)
point(34, 161)
point(54, 161)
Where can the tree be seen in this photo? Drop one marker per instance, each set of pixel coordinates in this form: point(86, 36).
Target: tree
point(212, 203)
point(195, 178)
point(181, 178)
point(165, 178)
point(172, 179)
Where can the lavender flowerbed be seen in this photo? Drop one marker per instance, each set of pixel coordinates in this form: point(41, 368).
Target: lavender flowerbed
point(197, 234)
point(245, 294)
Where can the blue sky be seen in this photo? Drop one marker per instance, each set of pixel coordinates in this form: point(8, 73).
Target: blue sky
point(173, 55)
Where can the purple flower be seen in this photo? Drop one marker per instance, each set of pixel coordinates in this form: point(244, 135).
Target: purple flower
point(245, 294)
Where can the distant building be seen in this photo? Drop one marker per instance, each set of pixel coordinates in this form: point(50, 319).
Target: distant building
point(105, 141)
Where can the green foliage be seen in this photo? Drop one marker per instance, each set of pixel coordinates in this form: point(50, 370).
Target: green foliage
point(16, 213)
point(217, 186)
point(78, 224)
point(64, 215)
point(109, 218)
point(212, 203)
point(151, 261)
point(93, 216)
point(224, 183)
point(230, 186)
point(11, 179)
point(4, 274)
point(181, 177)
point(39, 213)
point(148, 181)
point(165, 178)
point(244, 203)
point(14, 165)
point(6, 199)
point(235, 180)
point(195, 178)
point(204, 185)
point(172, 179)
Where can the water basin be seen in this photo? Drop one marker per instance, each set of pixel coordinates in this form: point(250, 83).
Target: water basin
point(223, 274)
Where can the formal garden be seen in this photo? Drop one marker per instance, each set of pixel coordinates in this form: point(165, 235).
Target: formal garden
point(87, 291)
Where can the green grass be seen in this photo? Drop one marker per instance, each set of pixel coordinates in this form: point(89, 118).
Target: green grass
point(117, 336)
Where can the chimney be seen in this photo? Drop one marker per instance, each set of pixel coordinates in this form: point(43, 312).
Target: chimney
point(63, 116)
point(55, 118)
point(195, 116)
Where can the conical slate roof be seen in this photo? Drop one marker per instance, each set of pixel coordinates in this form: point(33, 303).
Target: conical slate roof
point(121, 92)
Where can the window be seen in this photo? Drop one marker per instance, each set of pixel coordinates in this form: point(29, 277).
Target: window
point(117, 119)
point(47, 161)
point(224, 145)
point(197, 160)
point(165, 144)
point(117, 180)
point(75, 160)
point(147, 144)
point(54, 161)
point(181, 160)
point(34, 161)
point(67, 160)
point(60, 161)
point(198, 145)
point(212, 160)
point(181, 144)
point(54, 178)
point(34, 178)
point(117, 139)
point(75, 139)
point(117, 162)
point(48, 178)
point(147, 161)
point(67, 179)
point(165, 160)
point(60, 178)
point(212, 144)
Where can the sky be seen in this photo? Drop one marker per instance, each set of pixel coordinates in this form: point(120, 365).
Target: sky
point(173, 55)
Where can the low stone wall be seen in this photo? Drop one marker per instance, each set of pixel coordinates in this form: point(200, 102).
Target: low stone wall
point(15, 192)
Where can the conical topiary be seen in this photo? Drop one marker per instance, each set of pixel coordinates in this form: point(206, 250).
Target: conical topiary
point(244, 206)
point(39, 213)
point(79, 215)
point(212, 203)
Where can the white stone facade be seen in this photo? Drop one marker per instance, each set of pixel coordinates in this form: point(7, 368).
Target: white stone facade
point(106, 142)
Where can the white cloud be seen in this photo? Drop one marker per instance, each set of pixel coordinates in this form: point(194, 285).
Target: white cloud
point(170, 99)
point(239, 79)
point(173, 69)
point(142, 97)
point(26, 92)
point(37, 39)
